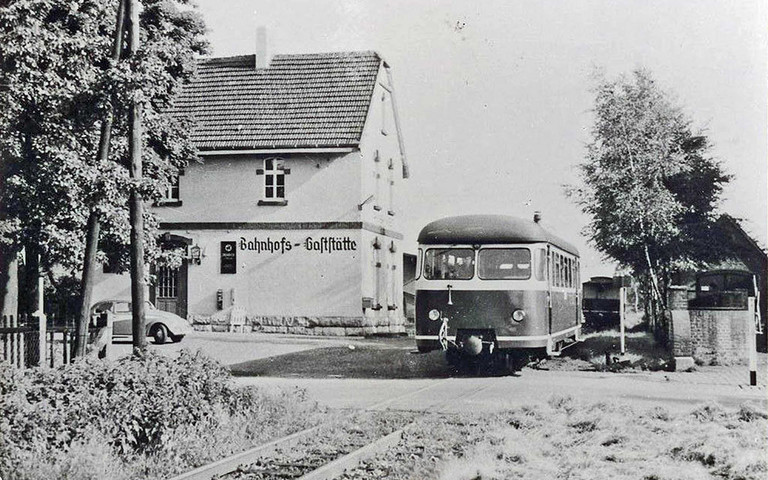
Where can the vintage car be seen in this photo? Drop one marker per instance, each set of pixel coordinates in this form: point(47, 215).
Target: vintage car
point(161, 326)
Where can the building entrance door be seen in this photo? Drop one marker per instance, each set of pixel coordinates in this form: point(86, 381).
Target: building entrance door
point(167, 289)
point(169, 292)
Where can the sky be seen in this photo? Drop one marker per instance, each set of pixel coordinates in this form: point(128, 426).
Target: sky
point(494, 97)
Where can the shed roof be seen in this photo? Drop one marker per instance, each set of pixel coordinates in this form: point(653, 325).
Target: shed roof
point(485, 229)
point(299, 101)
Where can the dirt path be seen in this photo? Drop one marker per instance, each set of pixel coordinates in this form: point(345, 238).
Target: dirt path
point(492, 394)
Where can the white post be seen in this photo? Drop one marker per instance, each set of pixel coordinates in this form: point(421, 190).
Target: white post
point(622, 313)
point(752, 342)
point(102, 336)
point(42, 321)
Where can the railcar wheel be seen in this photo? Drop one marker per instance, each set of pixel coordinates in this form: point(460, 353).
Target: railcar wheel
point(453, 358)
point(515, 361)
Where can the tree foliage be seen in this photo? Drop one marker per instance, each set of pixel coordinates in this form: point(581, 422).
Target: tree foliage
point(58, 81)
point(649, 183)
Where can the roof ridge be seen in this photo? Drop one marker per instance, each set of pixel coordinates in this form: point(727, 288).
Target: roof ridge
point(227, 59)
point(235, 59)
point(343, 53)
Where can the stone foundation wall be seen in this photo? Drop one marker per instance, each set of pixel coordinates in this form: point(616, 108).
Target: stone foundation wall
point(230, 320)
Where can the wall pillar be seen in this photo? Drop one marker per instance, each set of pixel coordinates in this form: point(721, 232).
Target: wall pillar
point(679, 333)
point(9, 284)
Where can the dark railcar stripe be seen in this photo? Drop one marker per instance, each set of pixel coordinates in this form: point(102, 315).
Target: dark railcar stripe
point(483, 309)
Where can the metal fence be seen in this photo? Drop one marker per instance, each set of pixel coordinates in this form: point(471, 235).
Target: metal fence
point(20, 341)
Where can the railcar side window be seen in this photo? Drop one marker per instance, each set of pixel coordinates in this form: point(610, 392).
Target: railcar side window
point(578, 275)
point(541, 264)
point(449, 263)
point(419, 261)
point(504, 264)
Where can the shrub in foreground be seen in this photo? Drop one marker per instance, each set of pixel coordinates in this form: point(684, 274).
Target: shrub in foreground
point(93, 419)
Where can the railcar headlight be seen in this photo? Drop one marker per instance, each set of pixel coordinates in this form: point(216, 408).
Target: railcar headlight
point(518, 315)
point(434, 314)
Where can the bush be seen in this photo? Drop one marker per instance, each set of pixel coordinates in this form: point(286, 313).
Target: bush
point(138, 408)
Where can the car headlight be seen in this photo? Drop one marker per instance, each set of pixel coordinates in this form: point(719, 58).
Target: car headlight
point(518, 315)
point(434, 314)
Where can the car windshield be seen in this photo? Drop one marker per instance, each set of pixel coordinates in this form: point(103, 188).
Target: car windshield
point(504, 264)
point(449, 263)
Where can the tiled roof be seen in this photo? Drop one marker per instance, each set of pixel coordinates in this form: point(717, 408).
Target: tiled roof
point(299, 101)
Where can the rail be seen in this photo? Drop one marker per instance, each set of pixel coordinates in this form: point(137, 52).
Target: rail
point(257, 461)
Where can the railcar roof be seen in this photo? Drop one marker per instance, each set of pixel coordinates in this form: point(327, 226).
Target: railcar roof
point(484, 229)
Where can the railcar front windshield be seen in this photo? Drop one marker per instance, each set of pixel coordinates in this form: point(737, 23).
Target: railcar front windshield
point(504, 264)
point(449, 263)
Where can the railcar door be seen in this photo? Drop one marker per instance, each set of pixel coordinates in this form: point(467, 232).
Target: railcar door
point(550, 271)
point(563, 293)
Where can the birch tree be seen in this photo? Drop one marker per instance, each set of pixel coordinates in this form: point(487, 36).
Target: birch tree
point(649, 183)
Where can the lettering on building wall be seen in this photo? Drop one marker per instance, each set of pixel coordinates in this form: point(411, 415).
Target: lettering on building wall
point(310, 244)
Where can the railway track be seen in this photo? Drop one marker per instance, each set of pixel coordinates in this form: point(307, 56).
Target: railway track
point(325, 451)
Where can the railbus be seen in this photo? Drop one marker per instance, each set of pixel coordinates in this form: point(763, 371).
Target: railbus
point(495, 288)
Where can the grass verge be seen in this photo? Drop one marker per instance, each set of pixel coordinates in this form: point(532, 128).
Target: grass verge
point(567, 439)
point(601, 351)
point(366, 361)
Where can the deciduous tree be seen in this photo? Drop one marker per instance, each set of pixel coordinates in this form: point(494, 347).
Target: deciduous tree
point(649, 183)
point(59, 82)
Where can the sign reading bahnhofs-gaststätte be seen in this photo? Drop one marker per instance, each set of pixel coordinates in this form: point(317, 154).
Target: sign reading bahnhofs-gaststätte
point(310, 244)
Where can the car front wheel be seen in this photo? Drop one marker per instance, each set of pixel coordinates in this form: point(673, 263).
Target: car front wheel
point(176, 338)
point(159, 333)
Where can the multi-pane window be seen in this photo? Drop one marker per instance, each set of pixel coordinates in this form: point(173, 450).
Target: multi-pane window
point(172, 190)
point(274, 179)
point(167, 282)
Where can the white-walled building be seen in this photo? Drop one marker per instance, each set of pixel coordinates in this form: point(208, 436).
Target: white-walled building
point(293, 214)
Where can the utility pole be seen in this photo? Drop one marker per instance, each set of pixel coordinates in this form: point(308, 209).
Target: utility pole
point(135, 202)
point(92, 238)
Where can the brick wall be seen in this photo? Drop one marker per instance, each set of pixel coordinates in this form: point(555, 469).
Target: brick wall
point(719, 336)
point(708, 333)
